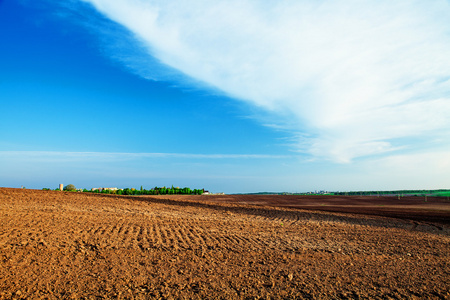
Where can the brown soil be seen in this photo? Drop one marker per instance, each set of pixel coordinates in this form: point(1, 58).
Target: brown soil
point(75, 245)
point(430, 210)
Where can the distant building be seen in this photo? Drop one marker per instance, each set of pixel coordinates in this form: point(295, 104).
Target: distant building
point(61, 187)
point(111, 189)
point(106, 189)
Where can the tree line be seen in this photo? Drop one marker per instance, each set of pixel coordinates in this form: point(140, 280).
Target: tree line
point(440, 192)
point(132, 191)
point(154, 191)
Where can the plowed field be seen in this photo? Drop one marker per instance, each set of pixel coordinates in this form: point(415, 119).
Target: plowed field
point(76, 245)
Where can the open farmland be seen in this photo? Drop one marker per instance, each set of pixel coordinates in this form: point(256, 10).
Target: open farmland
point(79, 245)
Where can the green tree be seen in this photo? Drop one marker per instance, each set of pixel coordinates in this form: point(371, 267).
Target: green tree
point(70, 188)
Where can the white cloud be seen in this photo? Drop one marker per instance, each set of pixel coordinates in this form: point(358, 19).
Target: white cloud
point(56, 156)
point(362, 77)
point(429, 170)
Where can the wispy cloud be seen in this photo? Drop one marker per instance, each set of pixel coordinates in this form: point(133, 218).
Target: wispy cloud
point(102, 156)
point(359, 78)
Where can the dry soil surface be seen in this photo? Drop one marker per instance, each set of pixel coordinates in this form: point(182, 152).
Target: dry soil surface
point(74, 245)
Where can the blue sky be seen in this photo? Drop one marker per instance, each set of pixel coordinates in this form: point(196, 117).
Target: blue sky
point(235, 96)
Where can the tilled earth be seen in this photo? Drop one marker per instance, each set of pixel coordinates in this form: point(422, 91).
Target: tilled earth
point(74, 245)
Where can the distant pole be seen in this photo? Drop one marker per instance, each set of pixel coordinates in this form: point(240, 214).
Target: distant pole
point(60, 186)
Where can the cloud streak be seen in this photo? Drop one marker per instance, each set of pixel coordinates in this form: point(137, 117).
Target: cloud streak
point(106, 156)
point(355, 78)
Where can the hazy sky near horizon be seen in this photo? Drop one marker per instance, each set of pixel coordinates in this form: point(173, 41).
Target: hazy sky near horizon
point(232, 96)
